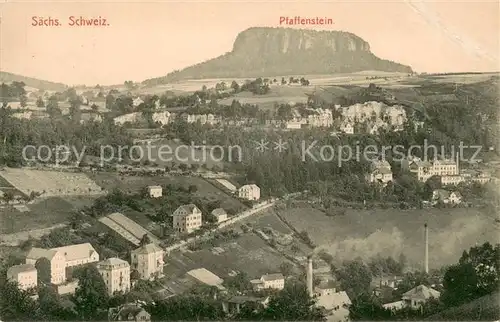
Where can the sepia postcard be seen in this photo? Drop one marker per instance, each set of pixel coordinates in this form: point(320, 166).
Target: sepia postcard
point(250, 160)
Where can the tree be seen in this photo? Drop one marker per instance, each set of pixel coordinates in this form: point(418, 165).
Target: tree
point(240, 282)
point(235, 86)
point(16, 304)
point(286, 268)
point(192, 188)
point(355, 277)
point(292, 304)
point(91, 294)
point(39, 102)
point(145, 240)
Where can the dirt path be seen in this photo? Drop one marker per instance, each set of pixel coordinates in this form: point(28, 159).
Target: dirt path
point(16, 238)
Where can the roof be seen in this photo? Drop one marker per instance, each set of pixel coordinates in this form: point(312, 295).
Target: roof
point(329, 301)
point(75, 252)
point(36, 253)
point(326, 285)
point(121, 313)
point(190, 208)
point(112, 262)
point(16, 269)
point(147, 249)
point(421, 292)
point(273, 277)
point(240, 299)
point(382, 170)
point(253, 186)
point(219, 212)
point(206, 277)
point(154, 187)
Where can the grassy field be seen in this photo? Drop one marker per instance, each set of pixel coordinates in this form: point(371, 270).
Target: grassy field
point(248, 253)
point(43, 214)
point(366, 233)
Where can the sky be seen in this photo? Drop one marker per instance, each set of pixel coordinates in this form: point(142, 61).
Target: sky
point(150, 39)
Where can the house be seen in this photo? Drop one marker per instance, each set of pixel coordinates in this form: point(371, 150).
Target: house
point(50, 264)
point(347, 128)
point(418, 295)
point(187, 218)
point(147, 260)
point(162, 117)
point(129, 312)
point(127, 118)
point(380, 172)
point(155, 191)
point(116, 275)
point(234, 304)
point(455, 197)
point(220, 214)
point(137, 101)
point(274, 281)
point(386, 281)
point(249, 192)
point(90, 117)
point(446, 197)
point(452, 180)
point(336, 305)
point(325, 287)
point(25, 275)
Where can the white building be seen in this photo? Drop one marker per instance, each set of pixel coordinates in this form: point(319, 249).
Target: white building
point(53, 262)
point(79, 254)
point(426, 169)
point(161, 117)
point(187, 218)
point(220, 214)
point(148, 261)
point(347, 128)
point(137, 101)
point(417, 296)
point(269, 281)
point(249, 192)
point(380, 172)
point(116, 275)
point(155, 191)
point(49, 262)
point(127, 118)
point(25, 275)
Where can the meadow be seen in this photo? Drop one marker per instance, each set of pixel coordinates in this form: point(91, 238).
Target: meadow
point(390, 232)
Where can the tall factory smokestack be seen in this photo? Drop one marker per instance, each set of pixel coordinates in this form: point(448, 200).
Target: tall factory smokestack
point(309, 275)
point(426, 259)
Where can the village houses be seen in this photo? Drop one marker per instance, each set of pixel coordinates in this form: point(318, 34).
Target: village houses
point(426, 169)
point(269, 281)
point(249, 192)
point(446, 197)
point(147, 260)
point(116, 275)
point(187, 218)
point(25, 275)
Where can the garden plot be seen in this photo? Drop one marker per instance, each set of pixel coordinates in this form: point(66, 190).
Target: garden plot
point(51, 183)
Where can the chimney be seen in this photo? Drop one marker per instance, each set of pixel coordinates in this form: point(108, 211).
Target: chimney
point(458, 163)
point(426, 260)
point(309, 276)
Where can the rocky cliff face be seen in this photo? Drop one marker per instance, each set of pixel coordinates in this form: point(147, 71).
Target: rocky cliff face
point(283, 51)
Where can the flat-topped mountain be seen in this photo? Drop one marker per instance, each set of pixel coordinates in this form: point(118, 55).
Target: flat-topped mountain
point(285, 51)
